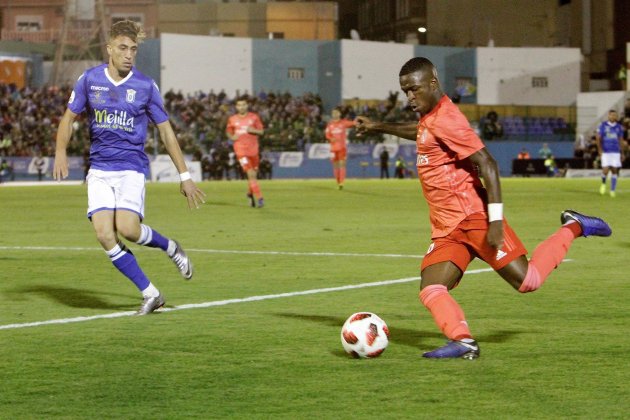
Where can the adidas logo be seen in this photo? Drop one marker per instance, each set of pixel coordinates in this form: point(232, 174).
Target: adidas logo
point(500, 254)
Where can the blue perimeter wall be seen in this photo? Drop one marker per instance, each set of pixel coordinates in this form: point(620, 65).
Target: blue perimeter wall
point(363, 160)
point(360, 155)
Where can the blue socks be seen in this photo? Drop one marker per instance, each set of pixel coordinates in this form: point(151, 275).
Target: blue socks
point(124, 260)
point(151, 238)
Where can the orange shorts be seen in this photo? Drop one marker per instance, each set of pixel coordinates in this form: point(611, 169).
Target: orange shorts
point(249, 162)
point(468, 241)
point(339, 155)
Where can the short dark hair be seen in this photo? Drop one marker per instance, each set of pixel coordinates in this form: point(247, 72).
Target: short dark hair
point(417, 64)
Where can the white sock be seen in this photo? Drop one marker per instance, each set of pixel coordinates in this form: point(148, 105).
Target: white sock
point(172, 246)
point(150, 291)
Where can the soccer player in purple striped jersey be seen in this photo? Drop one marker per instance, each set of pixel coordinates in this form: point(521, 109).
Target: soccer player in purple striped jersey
point(119, 102)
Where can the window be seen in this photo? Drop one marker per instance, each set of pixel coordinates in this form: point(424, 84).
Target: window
point(295, 73)
point(29, 23)
point(276, 35)
point(540, 82)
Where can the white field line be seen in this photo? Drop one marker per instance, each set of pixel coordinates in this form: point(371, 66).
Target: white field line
point(217, 251)
point(224, 302)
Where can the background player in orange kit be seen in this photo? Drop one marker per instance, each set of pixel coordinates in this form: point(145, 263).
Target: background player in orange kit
point(466, 215)
point(336, 134)
point(243, 128)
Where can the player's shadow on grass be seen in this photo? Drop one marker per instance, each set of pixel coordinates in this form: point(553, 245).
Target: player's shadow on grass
point(74, 298)
point(405, 336)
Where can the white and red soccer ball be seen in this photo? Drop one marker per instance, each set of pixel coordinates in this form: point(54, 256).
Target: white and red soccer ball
point(364, 335)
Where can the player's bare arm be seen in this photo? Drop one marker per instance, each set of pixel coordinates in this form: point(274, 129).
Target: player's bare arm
point(489, 171)
point(64, 134)
point(406, 130)
point(188, 188)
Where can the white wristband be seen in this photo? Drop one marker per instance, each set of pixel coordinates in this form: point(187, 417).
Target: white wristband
point(185, 176)
point(495, 212)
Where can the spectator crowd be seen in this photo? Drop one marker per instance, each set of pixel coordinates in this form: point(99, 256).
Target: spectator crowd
point(29, 119)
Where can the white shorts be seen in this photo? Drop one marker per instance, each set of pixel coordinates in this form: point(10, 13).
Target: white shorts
point(115, 190)
point(611, 160)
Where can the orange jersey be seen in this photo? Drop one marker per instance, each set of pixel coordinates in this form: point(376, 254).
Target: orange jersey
point(450, 183)
point(246, 144)
point(336, 134)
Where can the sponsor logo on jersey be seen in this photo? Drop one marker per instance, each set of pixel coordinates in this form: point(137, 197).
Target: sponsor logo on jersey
point(105, 88)
point(96, 98)
point(500, 254)
point(71, 97)
point(115, 120)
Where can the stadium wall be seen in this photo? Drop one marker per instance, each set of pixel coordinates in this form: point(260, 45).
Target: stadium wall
point(285, 66)
point(362, 69)
point(593, 107)
point(192, 63)
point(528, 76)
point(337, 70)
point(461, 71)
point(148, 59)
point(329, 74)
point(363, 160)
point(370, 69)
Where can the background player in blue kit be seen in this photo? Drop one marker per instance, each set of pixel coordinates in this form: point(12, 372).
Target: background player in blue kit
point(120, 101)
point(609, 137)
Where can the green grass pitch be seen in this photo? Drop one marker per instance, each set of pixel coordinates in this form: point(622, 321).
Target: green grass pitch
point(561, 352)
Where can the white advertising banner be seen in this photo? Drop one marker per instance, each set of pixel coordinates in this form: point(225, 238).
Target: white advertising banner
point(163, 170)
point(319, 151)
point(593, 173)
point(291, 159)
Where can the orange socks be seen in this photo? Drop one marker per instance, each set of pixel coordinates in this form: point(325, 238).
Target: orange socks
point(447, 313)
point(548, 255)
point(342, 175)
point(255, 189)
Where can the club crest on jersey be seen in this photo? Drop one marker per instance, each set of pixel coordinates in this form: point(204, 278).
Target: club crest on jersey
point(131, 95)
point(422, 160)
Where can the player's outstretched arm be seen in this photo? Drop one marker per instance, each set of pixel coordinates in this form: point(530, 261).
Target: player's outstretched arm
point(188, 188)
point(406, 130)
point(64, 134)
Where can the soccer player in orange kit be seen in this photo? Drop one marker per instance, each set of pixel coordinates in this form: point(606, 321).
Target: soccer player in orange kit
point(243, 128)
point(467, 216)
point(336, 135)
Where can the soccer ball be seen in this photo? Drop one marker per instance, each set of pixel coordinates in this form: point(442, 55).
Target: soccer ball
point(364, 335)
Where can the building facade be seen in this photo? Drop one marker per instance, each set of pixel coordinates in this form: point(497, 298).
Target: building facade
point(42, 20)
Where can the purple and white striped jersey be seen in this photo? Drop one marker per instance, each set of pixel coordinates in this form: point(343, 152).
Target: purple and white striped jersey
point(118, 114)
